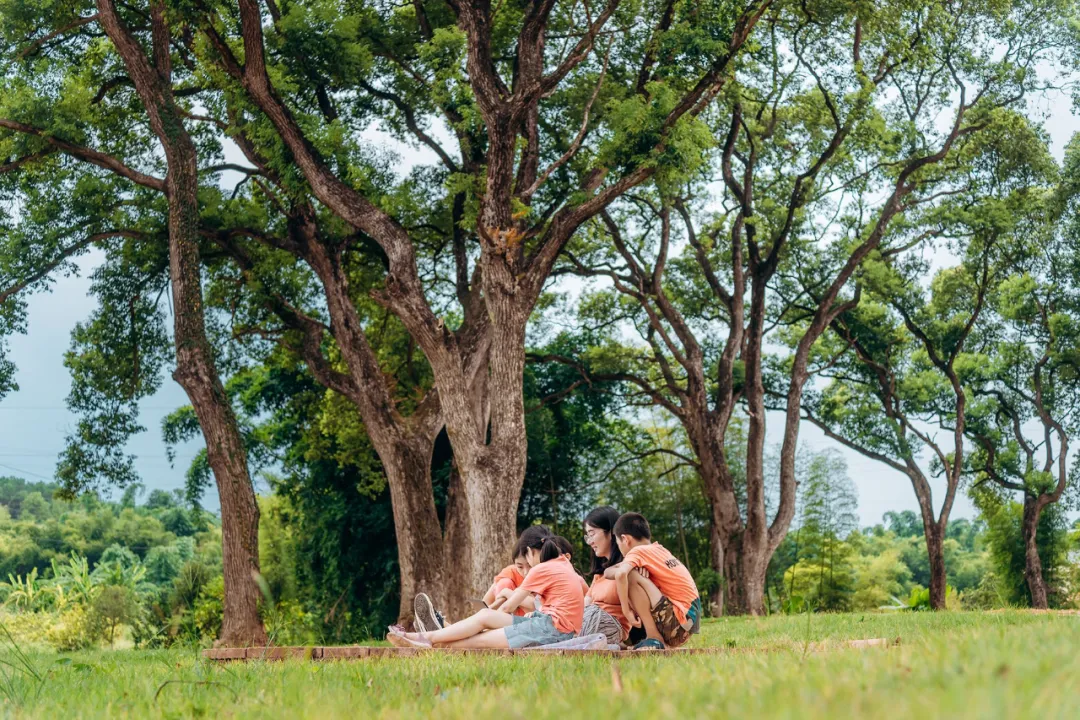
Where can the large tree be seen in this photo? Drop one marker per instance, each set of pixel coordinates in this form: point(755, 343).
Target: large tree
point(489, 76)
point(829, 143)
point(141, 48)
point(1029, 406)
point(919, 351)
point(505, 209)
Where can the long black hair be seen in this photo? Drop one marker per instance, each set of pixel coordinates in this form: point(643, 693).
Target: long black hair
point(551, 549)
point(604, 518)
point(532, 537)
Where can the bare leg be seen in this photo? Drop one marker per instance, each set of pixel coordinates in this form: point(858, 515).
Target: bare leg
point(478, 623)
point(643, 598)
point(489, 639)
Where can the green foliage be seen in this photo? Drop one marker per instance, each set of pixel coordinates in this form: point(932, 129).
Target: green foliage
point(76, 628)
point(1007, 552)
point(821, 573)
point(114, 605)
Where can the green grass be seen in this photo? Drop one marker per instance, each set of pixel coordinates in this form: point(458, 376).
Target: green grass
point(985, 665)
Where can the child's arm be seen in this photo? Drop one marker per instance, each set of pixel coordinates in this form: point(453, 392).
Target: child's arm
point(500, 598)
point(515, 599)
point(489, 596)
point(621, 575)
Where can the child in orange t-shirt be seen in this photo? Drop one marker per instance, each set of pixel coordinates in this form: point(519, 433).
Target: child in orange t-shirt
point(550, 576)
point(506, 582)
point(666, 602)
point(567, 551)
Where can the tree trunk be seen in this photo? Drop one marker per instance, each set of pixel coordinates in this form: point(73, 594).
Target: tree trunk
point(457, 550)
point(492, 490)
point(716, 564)
point(416, 524)
point(1032, 562)
point(195, 370)
point(491, 453)
point(736, 598)
point(197, 374)
point(755, 561)
point(935, 548)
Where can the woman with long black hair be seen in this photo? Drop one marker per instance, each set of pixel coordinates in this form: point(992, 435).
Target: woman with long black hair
point(603, 611)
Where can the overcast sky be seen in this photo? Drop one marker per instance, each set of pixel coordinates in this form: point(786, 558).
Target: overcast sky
point(34, 420)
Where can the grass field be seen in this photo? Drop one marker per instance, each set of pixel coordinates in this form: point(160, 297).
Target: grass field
point(984, 665)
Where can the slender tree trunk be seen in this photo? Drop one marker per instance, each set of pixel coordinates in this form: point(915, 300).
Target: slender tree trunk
point(935, 548)
point(197, 374)
point(195, 370)
point(755, 563)
point(1033, 571)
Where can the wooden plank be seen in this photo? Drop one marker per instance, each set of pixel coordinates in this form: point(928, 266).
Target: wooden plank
point(353, 652)
point(284, 653)
point(363, 652)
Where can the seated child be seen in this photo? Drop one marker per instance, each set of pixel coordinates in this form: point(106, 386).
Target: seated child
point(667, 602)
point(567, 551)
point(426, 618)
point(550, 576)
point(510, 577)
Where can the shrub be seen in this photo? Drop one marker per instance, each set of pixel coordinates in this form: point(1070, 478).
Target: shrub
point(189, 583)
point(209, 609)
point(289, 623)
point(28, 628)
point(114, 606)
point(74, 629)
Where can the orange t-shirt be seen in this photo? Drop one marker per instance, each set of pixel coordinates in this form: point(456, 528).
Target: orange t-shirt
point(605, 595)
point(669, 575)
point(559, 588)
point(584, 586)
point(509, 578)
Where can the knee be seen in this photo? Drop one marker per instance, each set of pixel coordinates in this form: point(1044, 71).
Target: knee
point(636, 580)
point(487, 616)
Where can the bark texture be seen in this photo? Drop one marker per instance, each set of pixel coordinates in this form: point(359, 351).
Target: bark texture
point(196, 371)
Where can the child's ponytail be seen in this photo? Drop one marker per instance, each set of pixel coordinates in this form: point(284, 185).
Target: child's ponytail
point(534, 537)
point(550, 550)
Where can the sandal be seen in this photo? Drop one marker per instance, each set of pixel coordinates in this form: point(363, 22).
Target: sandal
point(404, 641)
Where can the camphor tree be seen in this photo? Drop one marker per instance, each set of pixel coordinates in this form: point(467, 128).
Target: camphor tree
point(489, 75)
point(49, 111)
point(830, 143)
point(1028, 408)
point(919, 352)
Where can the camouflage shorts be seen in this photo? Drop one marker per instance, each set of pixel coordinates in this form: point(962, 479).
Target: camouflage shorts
point(671, 630)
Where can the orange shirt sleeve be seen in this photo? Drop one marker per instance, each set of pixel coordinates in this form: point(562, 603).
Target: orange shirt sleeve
point(538, 579)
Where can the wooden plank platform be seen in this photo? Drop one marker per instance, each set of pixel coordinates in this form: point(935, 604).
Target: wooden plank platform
point(364, 652)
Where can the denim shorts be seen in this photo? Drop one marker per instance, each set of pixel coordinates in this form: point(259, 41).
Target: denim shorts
point(538, 629)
